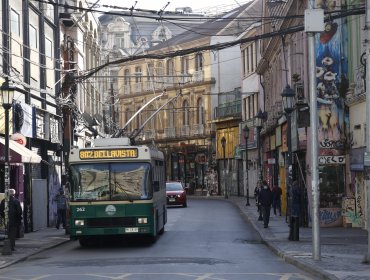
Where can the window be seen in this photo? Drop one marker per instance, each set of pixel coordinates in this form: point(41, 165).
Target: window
point(171, 115)
point(150, 72)
point(250, 106)
point(170, 67)
point(48, 48)
point(199, 62)
point(200, 118)
point(49, 11)
point(185, 65)
point(185, 116)
point(127, 77)
point(138, 74)
point(33, 37)
point(120, 41)
point(249, 59)
point(152, 120)
point(15, 23)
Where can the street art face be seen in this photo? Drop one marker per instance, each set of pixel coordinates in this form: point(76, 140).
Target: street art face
point(331, 71)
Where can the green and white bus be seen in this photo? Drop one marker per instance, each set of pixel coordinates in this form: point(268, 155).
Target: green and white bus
point(117, 189)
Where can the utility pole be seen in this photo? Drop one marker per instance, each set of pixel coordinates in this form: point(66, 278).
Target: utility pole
point(68, 91)
point(314, 22)
point(367, 174)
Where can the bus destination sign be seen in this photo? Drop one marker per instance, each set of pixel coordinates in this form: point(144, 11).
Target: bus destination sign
point(109, 153)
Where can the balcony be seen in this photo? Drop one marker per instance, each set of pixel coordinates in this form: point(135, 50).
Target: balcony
point(138, 87)
point(170, 132)
point(198, 129)
point(150, 134)
point(126, 89)
point(198, 76)
point(229, 110)
point(185, 130)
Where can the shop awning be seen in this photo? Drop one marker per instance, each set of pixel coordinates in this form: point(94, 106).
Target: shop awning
point(18, 153)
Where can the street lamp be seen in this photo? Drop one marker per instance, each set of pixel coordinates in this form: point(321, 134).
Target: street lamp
point(246, 136)
point(223, 144)
point(288, 96)
point(7, 95)
point(260, 117)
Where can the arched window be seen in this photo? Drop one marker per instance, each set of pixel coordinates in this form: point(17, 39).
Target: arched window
point(185, 116)
point(138, 74)
point(200, 116)
point(127, 77)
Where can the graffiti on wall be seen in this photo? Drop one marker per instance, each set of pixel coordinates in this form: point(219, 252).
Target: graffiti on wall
point(353, 208)
point(330, 217)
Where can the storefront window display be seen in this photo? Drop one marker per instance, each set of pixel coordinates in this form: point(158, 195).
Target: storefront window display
point(331, 186)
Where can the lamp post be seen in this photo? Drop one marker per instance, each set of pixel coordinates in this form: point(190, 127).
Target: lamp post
point(288, 96)
point(246, 136)
point(7, 94)
point(260, 117)
point(223, 144)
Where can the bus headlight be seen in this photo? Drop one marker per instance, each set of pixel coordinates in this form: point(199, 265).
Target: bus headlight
point(79, 223)
point(142, 220)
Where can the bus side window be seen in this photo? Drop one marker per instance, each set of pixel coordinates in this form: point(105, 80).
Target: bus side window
point(156, 186)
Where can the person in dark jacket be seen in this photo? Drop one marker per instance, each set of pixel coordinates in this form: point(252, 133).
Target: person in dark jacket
point(276, 199)
point(265, 199)
point(256, 196)
point(61, 201)
point(295, 213)
point(14, 216)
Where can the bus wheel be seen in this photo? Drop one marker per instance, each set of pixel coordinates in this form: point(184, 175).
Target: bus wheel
point(84, 242)
point(162, 230)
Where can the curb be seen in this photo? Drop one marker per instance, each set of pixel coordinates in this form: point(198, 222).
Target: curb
point(41, 249)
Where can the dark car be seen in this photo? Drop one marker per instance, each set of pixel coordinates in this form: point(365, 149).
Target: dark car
point(176, 194)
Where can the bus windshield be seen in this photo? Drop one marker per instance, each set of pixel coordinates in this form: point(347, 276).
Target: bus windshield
point(110, 181)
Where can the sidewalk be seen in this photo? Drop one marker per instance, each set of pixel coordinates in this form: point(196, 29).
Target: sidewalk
point(33, 243)
point(342, 249)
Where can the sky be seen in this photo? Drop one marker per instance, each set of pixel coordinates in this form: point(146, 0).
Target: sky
point(196, 5)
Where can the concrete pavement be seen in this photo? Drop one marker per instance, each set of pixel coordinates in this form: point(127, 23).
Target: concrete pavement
point(342, 249)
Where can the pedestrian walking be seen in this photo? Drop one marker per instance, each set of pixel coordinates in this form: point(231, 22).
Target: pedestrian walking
point(257, 191)
point(265, 199)
point(14, 216)
point(61, 201)
point(276, 199)
point(295, 212)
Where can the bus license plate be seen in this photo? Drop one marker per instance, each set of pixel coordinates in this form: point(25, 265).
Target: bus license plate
point(132, 229)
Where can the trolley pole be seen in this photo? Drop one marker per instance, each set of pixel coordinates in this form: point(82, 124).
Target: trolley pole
point(367, 153)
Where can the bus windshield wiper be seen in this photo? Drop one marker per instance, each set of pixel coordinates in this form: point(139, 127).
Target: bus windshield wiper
point(123, 190)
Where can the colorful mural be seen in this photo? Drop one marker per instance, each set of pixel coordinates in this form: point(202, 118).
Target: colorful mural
point(331, 71)
point(331, 86)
